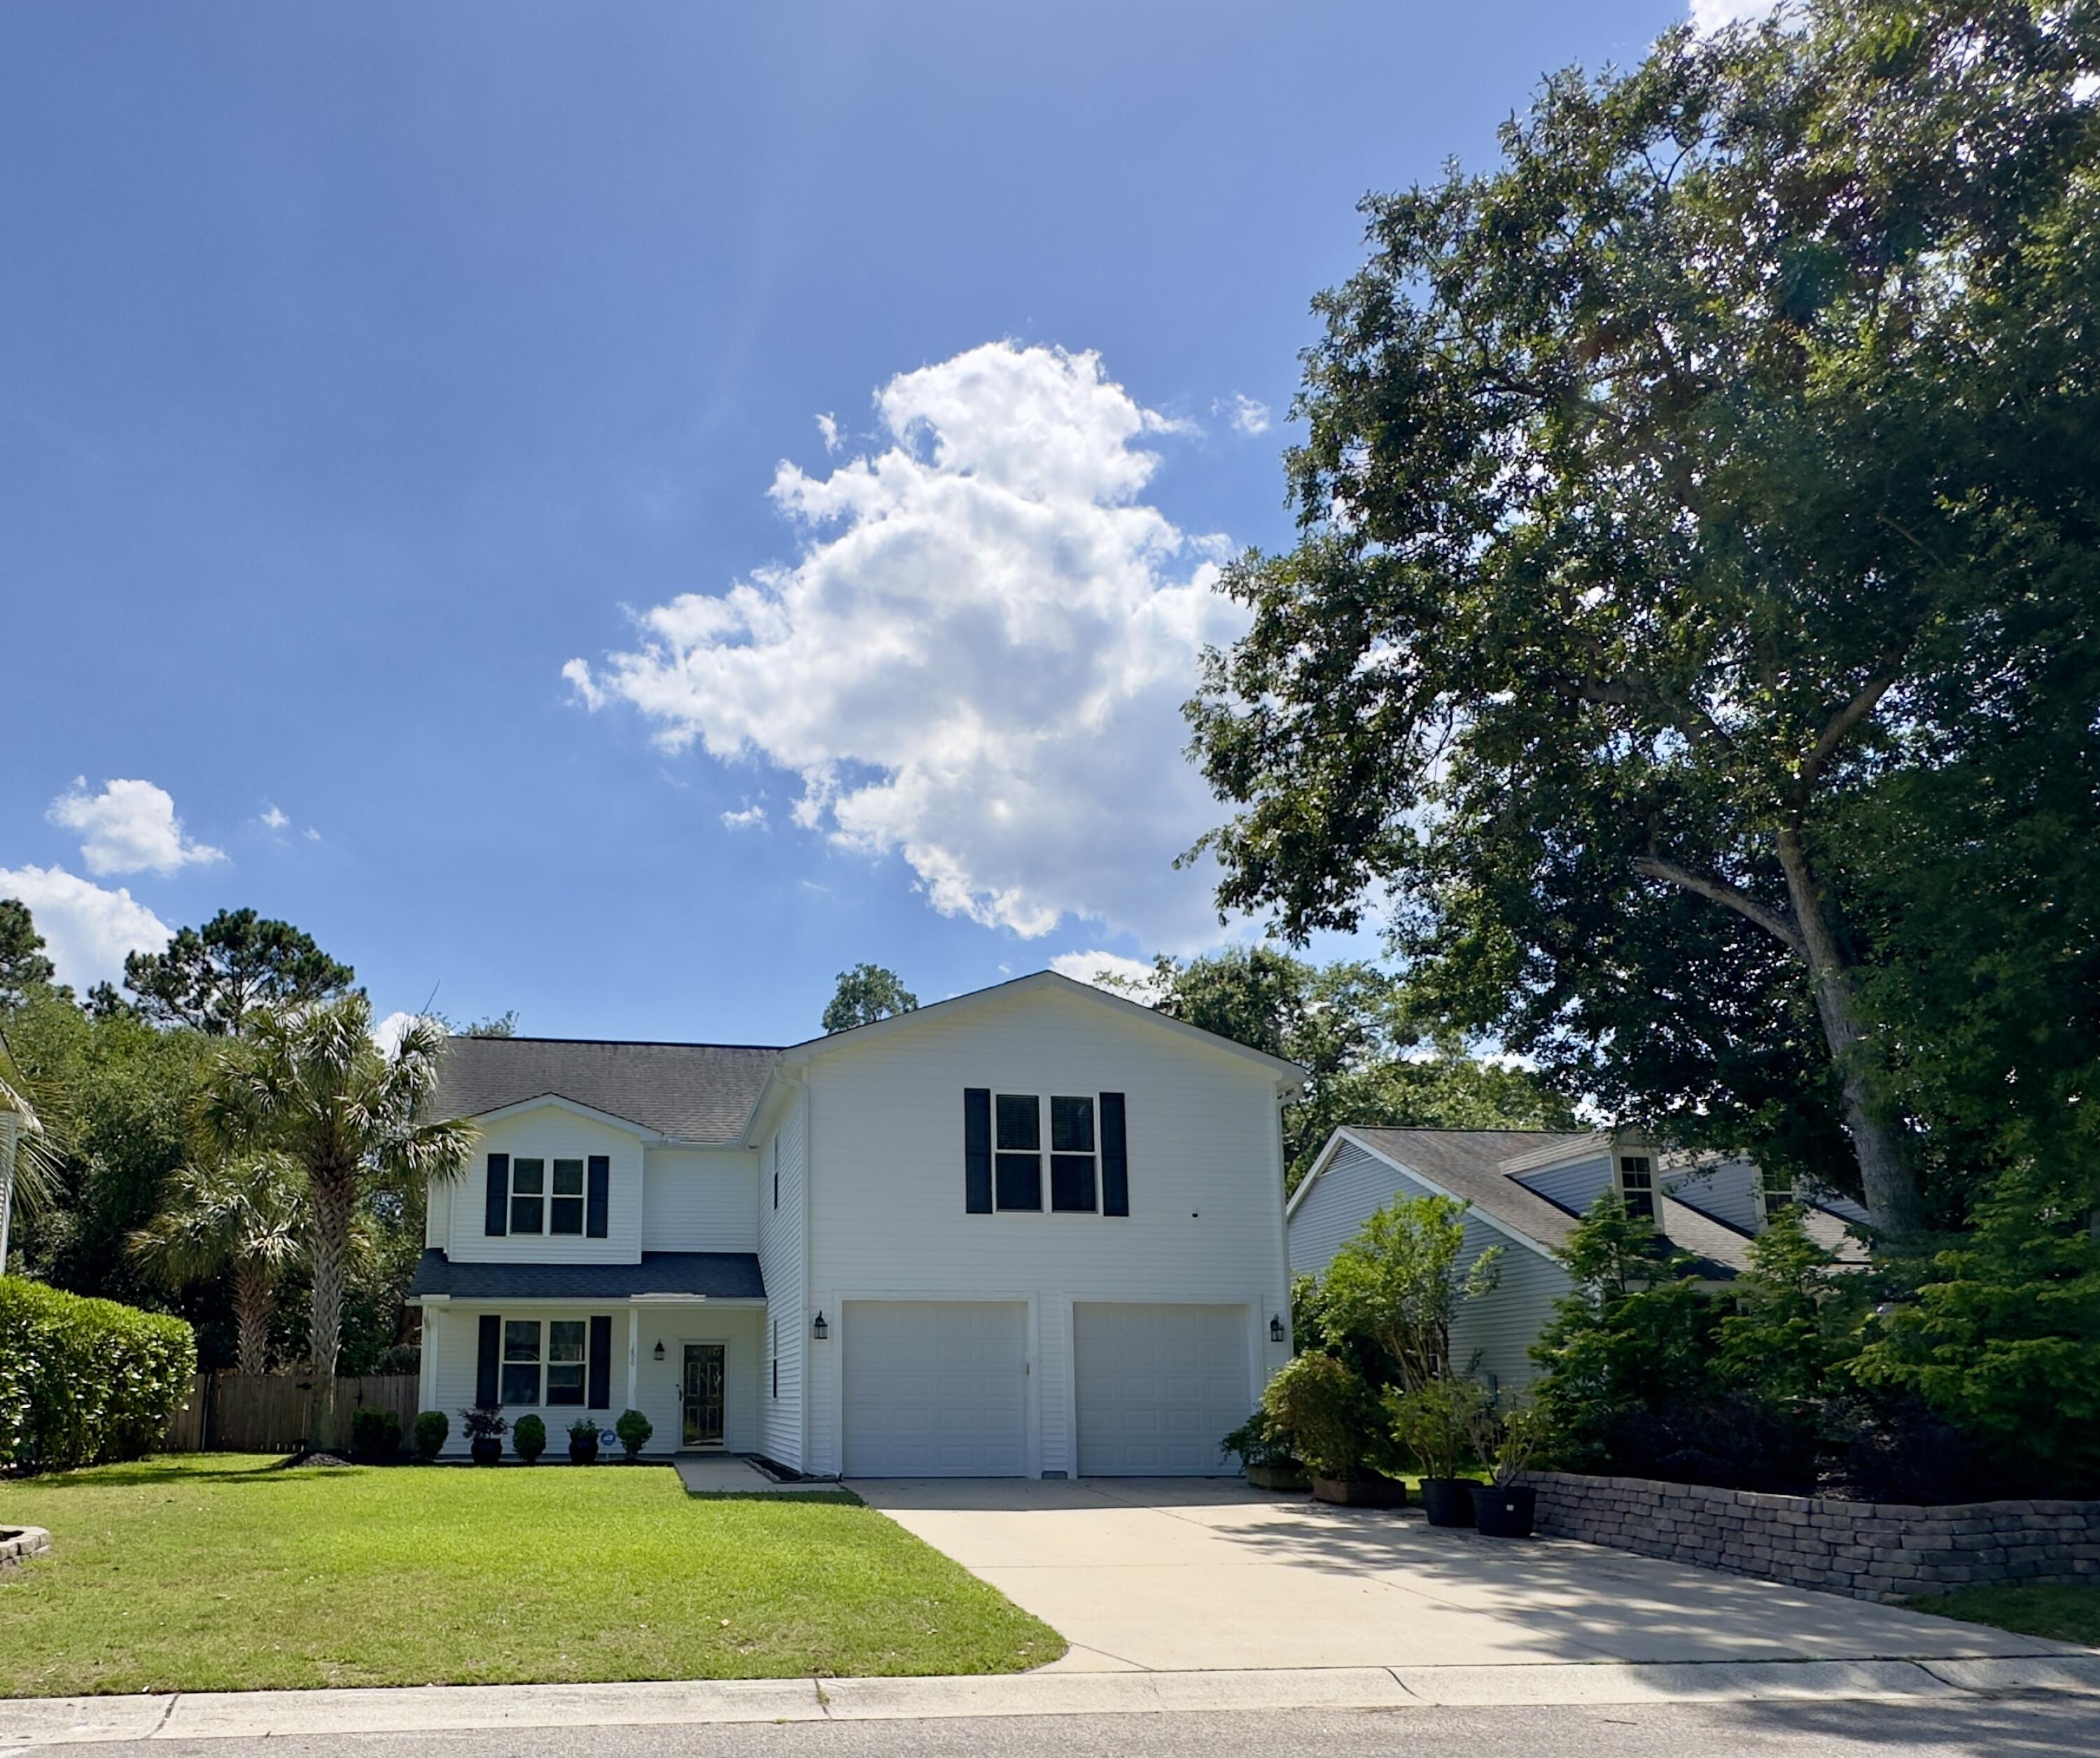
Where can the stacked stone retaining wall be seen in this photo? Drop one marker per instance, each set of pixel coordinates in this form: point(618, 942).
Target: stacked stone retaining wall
point(1871, 1550)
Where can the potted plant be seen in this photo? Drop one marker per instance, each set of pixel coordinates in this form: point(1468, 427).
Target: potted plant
point(432, 1430)
point(1326, 1414)
point(485, 1425)
point(583, 1442)
point(1504, 1507)
point(1436, 1424)
point(375, 1437)
point(633, 1429)
point(528, 1439)
point(1265, 1461)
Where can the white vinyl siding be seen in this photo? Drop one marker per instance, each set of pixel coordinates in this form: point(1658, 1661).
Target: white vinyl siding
point(699, 1200)
point(781, 1261)
point(547, 1134)
point(1158, 1386)
point(889, 1221)
point(934, 1389)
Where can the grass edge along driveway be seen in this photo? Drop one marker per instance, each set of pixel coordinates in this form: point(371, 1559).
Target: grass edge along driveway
point(226, 1572)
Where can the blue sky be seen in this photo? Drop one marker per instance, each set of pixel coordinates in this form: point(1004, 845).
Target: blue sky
point(620, 512)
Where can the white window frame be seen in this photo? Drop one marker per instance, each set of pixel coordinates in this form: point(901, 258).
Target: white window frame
point(513, 1196)
point(504, 1364)
point(1789, 1198)
point(1650, 1191)
point(1047, 1133)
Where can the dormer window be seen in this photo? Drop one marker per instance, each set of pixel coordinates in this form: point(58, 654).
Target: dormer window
point(1637, 1185)
point(1778, 1189)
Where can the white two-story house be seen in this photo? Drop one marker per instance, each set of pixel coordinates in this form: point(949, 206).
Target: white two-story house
point(1035, 1231)
point(1525, 1189)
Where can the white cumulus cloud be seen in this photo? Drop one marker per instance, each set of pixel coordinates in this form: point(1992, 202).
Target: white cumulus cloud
point(86, 928)
point(1248, 415)
point(1718, 15)
point(751, 817)
point(977, 659)
point(274, 820)
point(129, 827)
point(1090, 967)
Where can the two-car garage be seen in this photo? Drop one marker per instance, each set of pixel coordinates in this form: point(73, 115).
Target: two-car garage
point(942, 1388)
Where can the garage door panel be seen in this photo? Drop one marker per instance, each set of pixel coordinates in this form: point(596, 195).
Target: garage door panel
point(935, 1388)
point(1158, 1386)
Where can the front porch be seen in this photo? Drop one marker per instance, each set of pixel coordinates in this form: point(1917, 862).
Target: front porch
point(694, 1366)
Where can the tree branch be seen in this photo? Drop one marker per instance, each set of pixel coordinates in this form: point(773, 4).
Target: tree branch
point(1779, 923)
point(1842, 725)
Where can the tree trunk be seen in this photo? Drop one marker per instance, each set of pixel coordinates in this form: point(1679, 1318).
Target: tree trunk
point(252, 1307)
point(334, 1192)
point(1886, 1179)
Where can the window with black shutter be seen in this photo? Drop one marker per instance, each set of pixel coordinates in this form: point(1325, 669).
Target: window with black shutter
point(1115, 1157)
point(488, 1361)
point(977, 1150)
point(496, 1218)
point(600, 1201)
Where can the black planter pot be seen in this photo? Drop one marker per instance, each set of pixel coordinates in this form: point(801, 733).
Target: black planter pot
point(584, 1452)
point(1505, 1512)
point(485, 1449)
point(1449, 1501)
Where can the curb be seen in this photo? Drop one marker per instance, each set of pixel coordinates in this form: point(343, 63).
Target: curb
point(253, 1715)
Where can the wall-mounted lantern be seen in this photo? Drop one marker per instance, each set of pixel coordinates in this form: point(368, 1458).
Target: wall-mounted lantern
point(658, 1352)
point(1276, 1328)
point(819, 1330)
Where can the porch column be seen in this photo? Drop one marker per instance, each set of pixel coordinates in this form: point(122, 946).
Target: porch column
point(633, 1352)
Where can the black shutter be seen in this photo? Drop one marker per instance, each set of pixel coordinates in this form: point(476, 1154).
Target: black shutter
point(495, 1215)
point(484, 1372)
point(600, 1362)
point(1115, 1158)
point(600, 1200)
point(977, 1149)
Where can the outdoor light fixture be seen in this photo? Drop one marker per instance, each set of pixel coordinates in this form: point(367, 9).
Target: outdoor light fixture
point(658, 1352)
point(820, 1330)
point(1276, 1328)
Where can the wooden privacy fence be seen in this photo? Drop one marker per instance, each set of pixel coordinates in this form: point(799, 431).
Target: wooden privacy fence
point(267, 1413)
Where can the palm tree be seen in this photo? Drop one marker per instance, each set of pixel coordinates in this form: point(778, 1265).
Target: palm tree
point(310, 1082)
point(29, 1150)
point(244, 1216)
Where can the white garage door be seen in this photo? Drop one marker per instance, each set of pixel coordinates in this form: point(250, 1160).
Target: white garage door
point(1159, 1388)
point(935, 1388)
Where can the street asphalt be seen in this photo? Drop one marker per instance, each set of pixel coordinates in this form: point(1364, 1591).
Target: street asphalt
point(1985, 1727)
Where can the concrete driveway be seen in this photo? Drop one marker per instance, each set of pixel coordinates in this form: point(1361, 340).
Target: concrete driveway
point(1171, 1573)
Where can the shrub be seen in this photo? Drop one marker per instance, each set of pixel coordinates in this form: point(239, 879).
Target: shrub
point(483, 1422)
point(1398, 1284)
point(585, 1429)
point(376, 1433)
point(1255, 1444)
point(432, 1430)
point(1440, 1424)
point(633, 1429)
point(1327, 1415)
point(528, 1438)
point(84, 1381)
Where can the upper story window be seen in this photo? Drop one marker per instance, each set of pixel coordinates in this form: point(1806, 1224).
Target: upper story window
point(1637, 1185)
point(531, 1194)
point(1777, 1188)
point(1004, 1144)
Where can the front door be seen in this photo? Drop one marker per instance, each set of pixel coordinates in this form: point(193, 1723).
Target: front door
point(703, 1394)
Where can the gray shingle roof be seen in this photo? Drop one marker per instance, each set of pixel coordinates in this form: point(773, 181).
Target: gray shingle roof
point(1467, 1162)
point(697, 1092)
point(720, 1275)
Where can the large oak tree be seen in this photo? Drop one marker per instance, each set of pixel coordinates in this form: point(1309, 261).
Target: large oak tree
point(1714, 470)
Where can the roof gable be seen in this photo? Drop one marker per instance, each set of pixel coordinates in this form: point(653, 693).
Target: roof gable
point(1019, 989)
point(697, 1094)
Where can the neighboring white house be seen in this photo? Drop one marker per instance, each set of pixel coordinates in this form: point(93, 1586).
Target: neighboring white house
point(1035, 1231)
point(1525, 1190)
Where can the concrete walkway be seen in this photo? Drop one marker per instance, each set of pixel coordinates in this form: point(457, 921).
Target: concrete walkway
point(723, 1474)
point(1206, 1573)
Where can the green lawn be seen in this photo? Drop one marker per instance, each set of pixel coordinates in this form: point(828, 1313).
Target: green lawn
point(226, 1573)
point(2065, 1611)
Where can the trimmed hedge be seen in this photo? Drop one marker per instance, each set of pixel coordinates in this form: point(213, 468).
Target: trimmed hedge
point(84, 1381)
